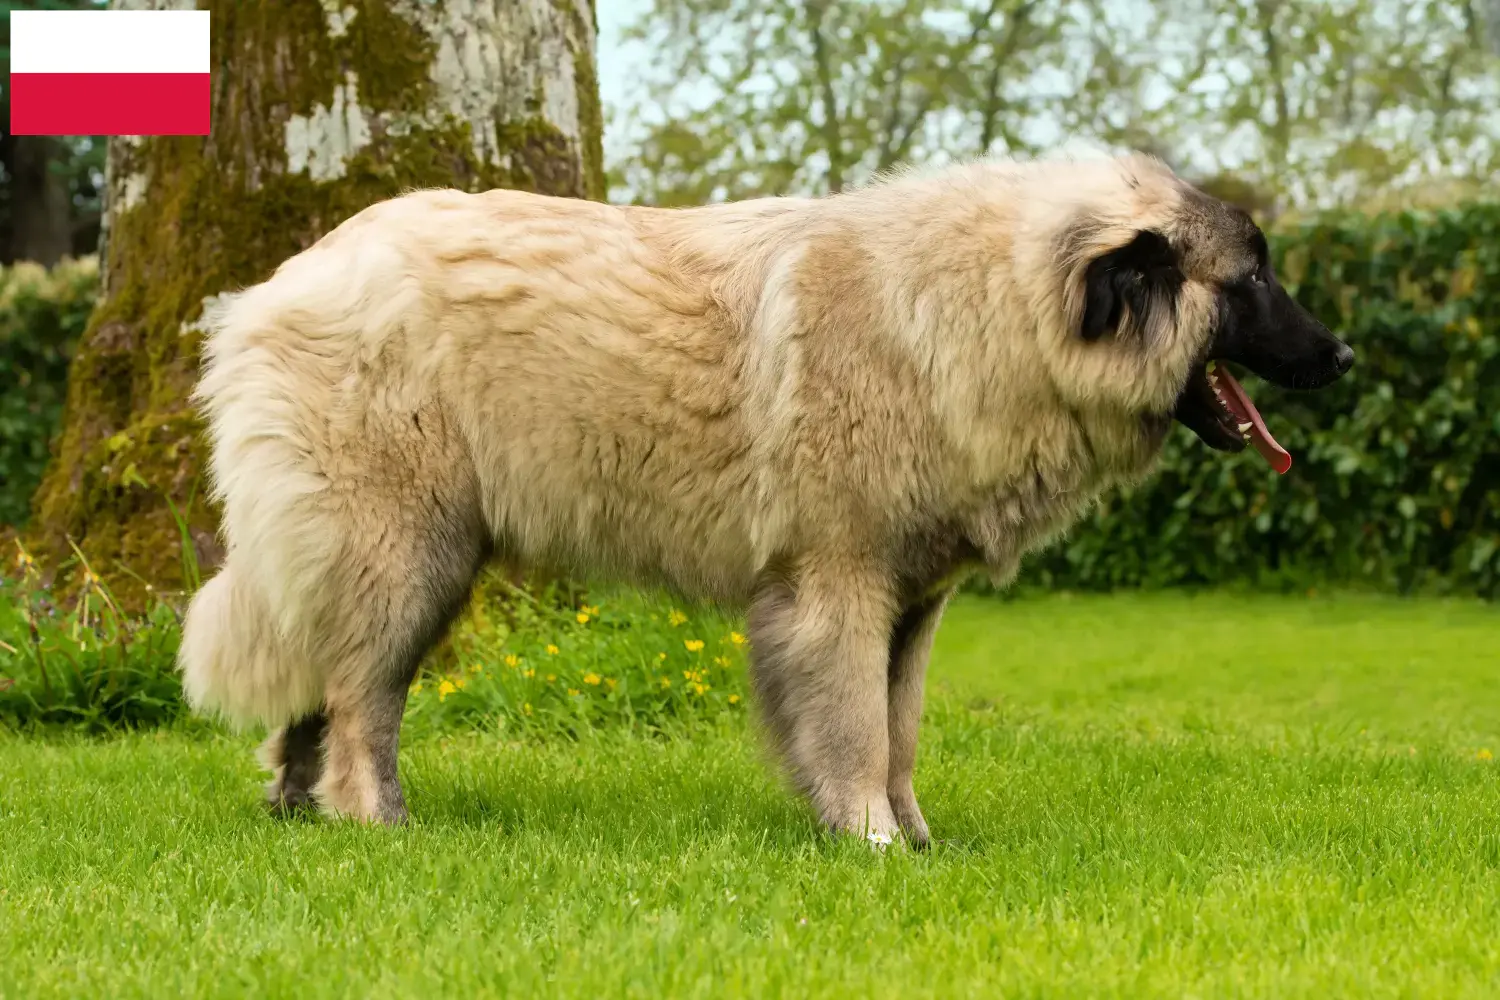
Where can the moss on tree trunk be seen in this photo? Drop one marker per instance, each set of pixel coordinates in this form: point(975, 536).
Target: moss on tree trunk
point(320, 108)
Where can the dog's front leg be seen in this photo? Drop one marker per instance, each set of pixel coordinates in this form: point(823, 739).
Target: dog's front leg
point(820, 648)
point(911, 644)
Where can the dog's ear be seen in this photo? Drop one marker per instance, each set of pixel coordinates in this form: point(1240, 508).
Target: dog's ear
point(1143, 275)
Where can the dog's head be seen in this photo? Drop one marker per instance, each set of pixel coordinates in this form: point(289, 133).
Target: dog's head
point(1169, 286)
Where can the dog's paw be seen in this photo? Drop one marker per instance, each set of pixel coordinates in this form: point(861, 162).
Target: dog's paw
point(909, 816)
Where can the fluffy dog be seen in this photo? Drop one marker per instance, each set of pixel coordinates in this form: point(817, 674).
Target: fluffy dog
point(825, 411)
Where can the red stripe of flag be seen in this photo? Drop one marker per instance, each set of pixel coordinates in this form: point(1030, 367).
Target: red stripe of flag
point(109, 103)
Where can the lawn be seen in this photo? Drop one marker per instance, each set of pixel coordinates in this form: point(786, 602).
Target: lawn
point(1136, 796)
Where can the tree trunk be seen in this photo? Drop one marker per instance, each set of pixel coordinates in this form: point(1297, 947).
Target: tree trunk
point(320, 108)
point(41, 223)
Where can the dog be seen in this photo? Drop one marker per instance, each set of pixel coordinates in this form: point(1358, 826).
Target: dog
point(827, 412)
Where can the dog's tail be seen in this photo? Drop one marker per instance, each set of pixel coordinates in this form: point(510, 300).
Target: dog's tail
point(279, 358)
point(235, 665)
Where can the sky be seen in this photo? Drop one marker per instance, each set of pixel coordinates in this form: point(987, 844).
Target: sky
point(613, 59)
point(616, 60)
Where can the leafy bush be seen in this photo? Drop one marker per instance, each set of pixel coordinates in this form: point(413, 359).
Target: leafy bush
point(629, 659)
point(534, 663)
point(42, 314)
point(1396, 481)
point(90, 666)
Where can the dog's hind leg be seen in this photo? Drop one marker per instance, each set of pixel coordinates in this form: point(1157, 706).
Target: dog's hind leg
point(367, 691)
point(819, 654)
point(412, 540)
point(911, 645)
point(401, 602)
point(294, 756)
point(360, 780)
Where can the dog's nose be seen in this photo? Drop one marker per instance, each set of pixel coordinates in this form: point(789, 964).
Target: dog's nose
point(1343, 358)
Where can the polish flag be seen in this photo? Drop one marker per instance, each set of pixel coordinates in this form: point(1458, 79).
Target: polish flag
point(109, 72)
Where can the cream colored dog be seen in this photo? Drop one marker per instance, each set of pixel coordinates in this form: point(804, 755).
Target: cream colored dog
point(826, 411)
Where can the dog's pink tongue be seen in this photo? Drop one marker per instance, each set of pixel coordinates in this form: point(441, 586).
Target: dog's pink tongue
point(1239, 404)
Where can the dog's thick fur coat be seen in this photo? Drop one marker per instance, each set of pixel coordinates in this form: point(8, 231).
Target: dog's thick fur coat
point(822, 410)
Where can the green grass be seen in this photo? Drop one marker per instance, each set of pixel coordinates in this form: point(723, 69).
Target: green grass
point(1138, 796)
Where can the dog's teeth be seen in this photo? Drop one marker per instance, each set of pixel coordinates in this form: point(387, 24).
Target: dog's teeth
point(1245, 428)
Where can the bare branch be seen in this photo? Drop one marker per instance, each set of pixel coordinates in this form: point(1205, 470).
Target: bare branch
point(833, 132)
point(1281, 131)
point(888, 126)
point(1020, 21)
point(897, 149)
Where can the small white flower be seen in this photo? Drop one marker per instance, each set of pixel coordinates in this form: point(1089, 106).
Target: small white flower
point(878, 839)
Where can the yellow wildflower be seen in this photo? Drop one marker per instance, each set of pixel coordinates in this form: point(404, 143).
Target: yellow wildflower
point(1484, 755)
point(526, 708)
point(460, 682)
point(590, 611)
point(528, 672)
point(661, 656)
point(666, 682)
point(416, 688)
point(693, 645)
point(552, 650)
point(476, 669)
point(736, 638)
point(722, 661)
point(512, 661)
point(445, 689)
point(591, 678)
point(675, 618)
point(734, 699)
point(572, 692)
point(611, 683)
point(551, 678)
point(583, 618)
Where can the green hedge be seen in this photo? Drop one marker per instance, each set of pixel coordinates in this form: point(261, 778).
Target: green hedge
point(1396, 481)
point(42, 314)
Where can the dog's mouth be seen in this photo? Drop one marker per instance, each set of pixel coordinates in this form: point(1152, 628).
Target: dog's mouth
point(1216, 407)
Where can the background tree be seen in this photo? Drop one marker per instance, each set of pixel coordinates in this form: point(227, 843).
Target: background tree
point(782, 96)
point(1280, 103)
point(1335, 101)
point(318, 110)
point(1485, 22)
